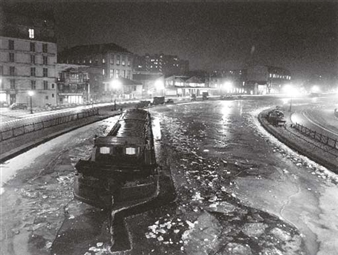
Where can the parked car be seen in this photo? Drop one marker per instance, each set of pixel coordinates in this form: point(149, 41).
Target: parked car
point(205, 95)
point(169, 101)
point(17, 106)
point(158, 100)
point(276, 117)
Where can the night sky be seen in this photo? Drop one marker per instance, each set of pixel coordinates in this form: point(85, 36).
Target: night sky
point(301, 36)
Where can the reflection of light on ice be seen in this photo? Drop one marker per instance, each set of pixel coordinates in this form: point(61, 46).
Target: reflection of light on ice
point(226, 109)
point(156, 128)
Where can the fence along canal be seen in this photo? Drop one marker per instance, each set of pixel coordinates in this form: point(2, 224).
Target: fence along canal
point(18, 129)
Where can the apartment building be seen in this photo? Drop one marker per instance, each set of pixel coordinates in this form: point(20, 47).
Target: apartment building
point(160, 63)
point(28, 56)
point(113, 60)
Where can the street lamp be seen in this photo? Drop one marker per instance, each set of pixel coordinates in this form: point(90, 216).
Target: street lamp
point(115, 84)
point(31, 94)
point(227, 86)
point(159, 85)
point(291, 91)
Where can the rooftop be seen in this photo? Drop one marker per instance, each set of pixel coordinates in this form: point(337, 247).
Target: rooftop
point(94, 49)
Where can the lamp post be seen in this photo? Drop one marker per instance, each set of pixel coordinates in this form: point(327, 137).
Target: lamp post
point(291, 91)
point(31, 94)
point(159, 85)
point(227, 86)
point(115, 84)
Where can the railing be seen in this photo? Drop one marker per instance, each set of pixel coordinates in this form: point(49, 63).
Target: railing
point(16, 131)
point(323, 139)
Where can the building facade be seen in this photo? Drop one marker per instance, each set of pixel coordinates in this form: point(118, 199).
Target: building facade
point(266, 79)
point(185, 86)
point(161, 63)
point(152, 84)
point(112, 60)
point(258, 79)
point(72, 84)
point(28, 56)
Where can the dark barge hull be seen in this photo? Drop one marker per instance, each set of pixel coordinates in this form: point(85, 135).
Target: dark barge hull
point(98, 190)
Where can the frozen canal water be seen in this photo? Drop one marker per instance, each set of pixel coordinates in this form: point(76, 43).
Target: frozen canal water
point(238, 189)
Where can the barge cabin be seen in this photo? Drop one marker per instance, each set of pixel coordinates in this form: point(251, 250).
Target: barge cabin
point(122, 168)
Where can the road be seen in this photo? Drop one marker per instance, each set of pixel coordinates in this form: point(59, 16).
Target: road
point(238, 190)
point(319, 116)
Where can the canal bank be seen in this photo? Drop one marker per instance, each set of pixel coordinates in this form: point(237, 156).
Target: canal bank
point(299, 142)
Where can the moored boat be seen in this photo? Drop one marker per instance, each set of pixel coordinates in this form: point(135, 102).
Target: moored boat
point(122, 171)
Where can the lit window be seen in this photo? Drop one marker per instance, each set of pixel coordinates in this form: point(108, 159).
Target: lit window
point(103, 72)
point(104, 150)
point(103, 61)
point(31, 33)
point(130, 151)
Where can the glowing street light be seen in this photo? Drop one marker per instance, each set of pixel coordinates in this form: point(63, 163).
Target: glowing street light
point(227, 86)
point(115, 84)
point(292, 92)
point(315, 89)
point(159, 85)
point(30, 94)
